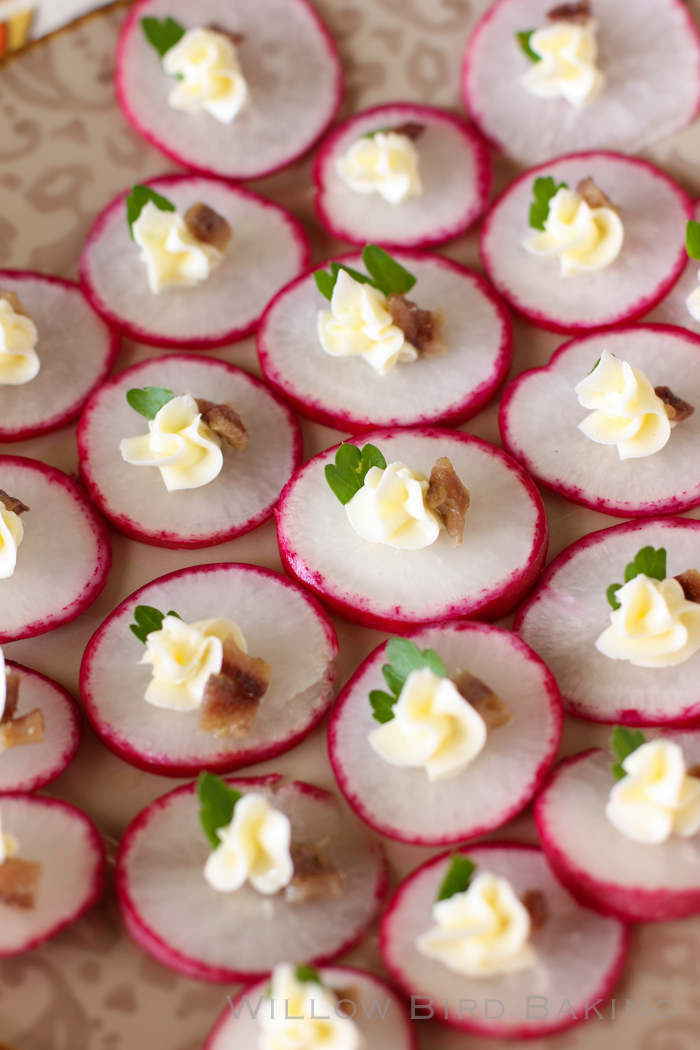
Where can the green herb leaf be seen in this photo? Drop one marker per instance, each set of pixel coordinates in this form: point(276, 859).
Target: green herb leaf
point(622, 743)
point(162, 35)
point(594, 368)
point(149, 400)
point(371, 457)
point(434, 663)
point(692, 239)
point(137, 200)
point(523, 39)
point(543, 190)
point(377, 131)
point(382, 705)
point(148, 619)
point(610, 594)
point(362, 278)
point(389, 276)
point(217, 801)
point(347, 476)
point(325, 283)
point(458, 877)
point(648, 561)
point(404, 656)
point(393, 679)
point(308, 973)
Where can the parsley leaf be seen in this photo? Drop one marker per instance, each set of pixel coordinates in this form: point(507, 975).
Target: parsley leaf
point(325, 283)
point(404, 656)
point(692, 239)
point(149, 400)
point(148, 619)
point(610, 594)
point(217, 802)
point(386, 274)
point(308, 973)
point(594, 368)
point(458, 877)
point(382, 706)
point(137, 200)
point(347, 476)
point(647, 561)
point(162, 35)
point(524, 41)
point(543, 190)
point(622, 743)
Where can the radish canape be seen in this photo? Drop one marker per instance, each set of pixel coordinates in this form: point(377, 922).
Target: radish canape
point(402, 175)
point(492, 922)
point(240, 457)
point(619, 629)
point(439, 361)
point(55, 553)
point(39, 728)
point(541, 79)
point(586, 241)
point(636, 454)
point(238, 91)
point(622, 836)
point(189, 262)
point(223, 880)
point(54, 351)
point(682, 304)
point(413, 545)
point(242, 690)
point(52, 869)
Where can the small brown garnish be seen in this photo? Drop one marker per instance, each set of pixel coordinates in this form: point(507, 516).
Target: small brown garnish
point(491, 708)
point(536, 904)
point(694, 771)
point(448, 497)
point(232, 697)
point(15, 302)
point(410, 130)
point(347, 998)
point(235, 38)
point(314, 875)
point(690, 582)
point(208, 226)
point(19, 882)
point(677, 409)
point(580, 13)
point(593, 196)
point(12, 504)
point(424, 329)
point(14, 731)
point(224, 420)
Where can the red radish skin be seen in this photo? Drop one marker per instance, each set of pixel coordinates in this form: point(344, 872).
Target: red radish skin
point(28, 767)
point(489, 604)
point(142, 751)
point(217, 377)
point(20, 617)
point(281, 236)
point(131, 101)
point(673, 309)
point(512, 270)
point(375, 216)
point(669, 356)
point(94, 355)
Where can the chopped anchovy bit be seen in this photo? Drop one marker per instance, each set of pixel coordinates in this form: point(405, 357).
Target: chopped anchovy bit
point(424, 329)
point(580, 13)
point(411, 130)
point(491, 708)
point(690, 582)
point(448, 497)
point(232, 697)
point(208, 226)
point(593, 195)
point(19, 882)
point(536, 904)
point(224, 420)
point(314, 875)
point(14, 505)
point(677, 409)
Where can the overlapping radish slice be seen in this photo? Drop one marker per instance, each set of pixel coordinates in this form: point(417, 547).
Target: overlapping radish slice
point(269, 248)
point(68, 846)
point(603, 868)
point(175, 915)
point(280, 623)
point(579, 954)
point(503, 550)
point(649, 53)
point(285, 113)
point(454, 168)
point(654, 212)
point(500, 781)
point(76, 350)
point(349, 394)
point(674, 309)
point(27, 767)
point(243, 495)
point(540, 413)
point(64, 558)
point(568, 610)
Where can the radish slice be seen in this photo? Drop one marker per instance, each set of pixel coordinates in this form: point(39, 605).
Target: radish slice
point(174, 914)
point(454, 167)
point(603, 868)
point(497, 784)
point(654, 212)
point(280, 623)
point(392, 1031)
point(65, 556)
point(348, 394)
point(288, 59)
point(67, 844)
point(243, 495)
point(268, 250)
point(76, 350)
point(568, 610)
point(580, 955)
point(649, 53)
point(540, 413)
point(673, 309)
point(27, 767)
point(504, 546)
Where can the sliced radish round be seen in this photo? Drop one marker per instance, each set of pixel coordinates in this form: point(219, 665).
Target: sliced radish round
point(540, 413)
point(674, 309)
point(175, 915)
point(68, 846)
point(76, 350)
point(291, 66)
point(654, 211)
point(568, 610)
point(64, 558)
point(504, 545)
point(243, 495)
point(281, 624)
point(649, 53)
point(27, 767)
point(603, 868)
point(497, 784)
point(349, 394)
point(580, 955)
point(454, 167)
point(269, 248)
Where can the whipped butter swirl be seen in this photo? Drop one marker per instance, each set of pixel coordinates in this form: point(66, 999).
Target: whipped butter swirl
point(304, 1016)
point(385, 163)
point(656, 798)
point(693, 302)
point(655, 626)
point(209, 75)
point(390, 508)
point(567, 67)
point(11, 535)
point(19, 361)
point(584, 238)
point(172, 254)
point(255, 848)
point(185, 450)
point(183, 656)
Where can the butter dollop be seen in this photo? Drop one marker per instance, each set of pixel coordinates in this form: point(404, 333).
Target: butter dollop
point(656, 798)
point(255, 848)
point(482, 931)
point(385, 163)
point(567, 67)
point(183, 656)
point(19, 361)
point(11, 535)
point(173, 256)
point(627, 412)
point(655, 626)
point(209, 75)
point(584, 238)
point(304, 1016)
point(185, 450)
point(390, 508)
point(693, 302)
